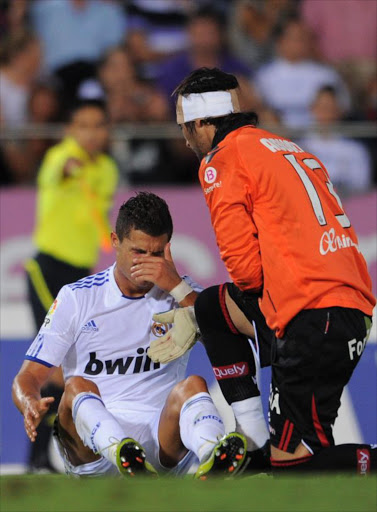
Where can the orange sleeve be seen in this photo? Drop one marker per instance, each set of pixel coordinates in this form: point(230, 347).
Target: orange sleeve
point(228, 196)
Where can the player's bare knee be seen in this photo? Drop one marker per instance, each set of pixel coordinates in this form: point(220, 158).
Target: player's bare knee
point(189, 387)
point(76, 385)
point(238, 317)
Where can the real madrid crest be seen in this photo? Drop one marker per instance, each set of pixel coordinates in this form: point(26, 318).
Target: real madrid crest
point(158, 329)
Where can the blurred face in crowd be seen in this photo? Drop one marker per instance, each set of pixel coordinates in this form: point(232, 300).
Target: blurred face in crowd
point(90, 128)
point(44, 105)
point(117, 71)
point(205, 35)
point(30, 58)
point(295, 42)
point(325, 108)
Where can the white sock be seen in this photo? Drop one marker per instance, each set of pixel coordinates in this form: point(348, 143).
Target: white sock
point(96, 426)
point(250, 422)
point(200, 424)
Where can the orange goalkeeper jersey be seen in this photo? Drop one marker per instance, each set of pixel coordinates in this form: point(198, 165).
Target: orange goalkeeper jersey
point(281, 228)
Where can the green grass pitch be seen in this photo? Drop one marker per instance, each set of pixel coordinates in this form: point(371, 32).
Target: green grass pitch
point(58, 493)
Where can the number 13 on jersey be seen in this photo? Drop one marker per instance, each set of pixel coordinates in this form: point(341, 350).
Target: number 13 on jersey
point(314, 198)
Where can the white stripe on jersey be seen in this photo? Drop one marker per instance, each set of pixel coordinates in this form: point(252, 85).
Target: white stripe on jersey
point(96, 332)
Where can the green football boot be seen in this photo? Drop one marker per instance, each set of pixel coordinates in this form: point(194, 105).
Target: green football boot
point(226, 459)
point(131, 460)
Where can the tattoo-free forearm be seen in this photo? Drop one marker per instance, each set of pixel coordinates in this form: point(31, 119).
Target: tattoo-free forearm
point(25, 387)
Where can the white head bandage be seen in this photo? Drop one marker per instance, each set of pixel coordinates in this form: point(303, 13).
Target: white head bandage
point(206, 104)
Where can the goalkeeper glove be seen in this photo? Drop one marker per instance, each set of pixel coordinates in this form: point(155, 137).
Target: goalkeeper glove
point(180, 338)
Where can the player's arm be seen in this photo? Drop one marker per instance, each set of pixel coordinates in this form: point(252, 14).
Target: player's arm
point(27, 397)
point(231, 206)
point(161, 271)
point(44, 355)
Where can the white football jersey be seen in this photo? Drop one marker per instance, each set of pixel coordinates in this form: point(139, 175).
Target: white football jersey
point(96, 332)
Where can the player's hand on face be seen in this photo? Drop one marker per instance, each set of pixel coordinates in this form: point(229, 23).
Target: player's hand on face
point(33, 414)
point(159, 270)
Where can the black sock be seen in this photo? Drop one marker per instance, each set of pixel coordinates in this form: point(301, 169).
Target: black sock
point(229, 352)
point(359, 459)
point(259, 460)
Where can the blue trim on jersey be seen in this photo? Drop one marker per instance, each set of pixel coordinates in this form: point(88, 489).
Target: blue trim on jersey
point(200, 399)
point(39, 348)
point(36, 360)
point(133, 298)
point(90, 280)
point(34, 348)
point(81, 400)
point(89, 285)
point(93, 276)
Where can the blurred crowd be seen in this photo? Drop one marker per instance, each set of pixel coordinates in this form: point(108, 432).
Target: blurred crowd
point(302, 65)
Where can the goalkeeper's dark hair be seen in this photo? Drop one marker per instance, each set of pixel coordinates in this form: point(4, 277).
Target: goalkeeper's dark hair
point(208, 80)
point(145, 212)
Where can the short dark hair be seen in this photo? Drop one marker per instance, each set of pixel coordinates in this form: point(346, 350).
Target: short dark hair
point(207, 13)
point(146, 212)
point(82, 103)
point(208, 80)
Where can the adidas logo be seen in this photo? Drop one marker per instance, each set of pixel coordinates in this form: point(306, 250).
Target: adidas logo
point(90, 326)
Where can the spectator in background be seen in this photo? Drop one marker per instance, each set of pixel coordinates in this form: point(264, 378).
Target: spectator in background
point(76, 184)
point(13, 17)
point(207, 48)
point(291, 81)
point(23, 157)
point(75, 33)
point(252, 28)
point(346, 32)
point(20, 58)
point(347, 161)
point(131, 100)
point(345, 29)
point(156, 30)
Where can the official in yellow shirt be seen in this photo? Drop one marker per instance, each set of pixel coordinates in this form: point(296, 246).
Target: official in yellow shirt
point(76, 185)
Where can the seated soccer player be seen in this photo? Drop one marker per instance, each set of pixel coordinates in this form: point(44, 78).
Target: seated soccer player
point(120, 412)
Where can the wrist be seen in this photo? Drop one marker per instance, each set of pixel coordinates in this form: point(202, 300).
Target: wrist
point(180, 292)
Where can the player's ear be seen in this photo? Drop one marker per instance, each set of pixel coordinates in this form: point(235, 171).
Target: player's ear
point(114, 240)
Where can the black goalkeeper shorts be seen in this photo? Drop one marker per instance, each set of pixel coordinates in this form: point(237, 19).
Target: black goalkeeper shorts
point(311, 365)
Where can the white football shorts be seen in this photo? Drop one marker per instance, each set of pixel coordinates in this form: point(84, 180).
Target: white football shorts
point(141, 425)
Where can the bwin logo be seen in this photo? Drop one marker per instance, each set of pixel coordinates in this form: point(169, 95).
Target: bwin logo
point(140, 363)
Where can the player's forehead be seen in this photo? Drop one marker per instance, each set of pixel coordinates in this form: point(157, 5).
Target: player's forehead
point(138, 239)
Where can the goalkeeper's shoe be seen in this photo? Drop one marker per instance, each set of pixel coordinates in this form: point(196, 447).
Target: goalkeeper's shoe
point(226, 459)
point(131, 460)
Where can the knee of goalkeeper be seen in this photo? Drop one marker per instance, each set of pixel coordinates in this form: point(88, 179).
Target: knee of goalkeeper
point(179, 339)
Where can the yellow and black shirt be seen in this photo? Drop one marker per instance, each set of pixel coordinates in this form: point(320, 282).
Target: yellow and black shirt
point(72, 212)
